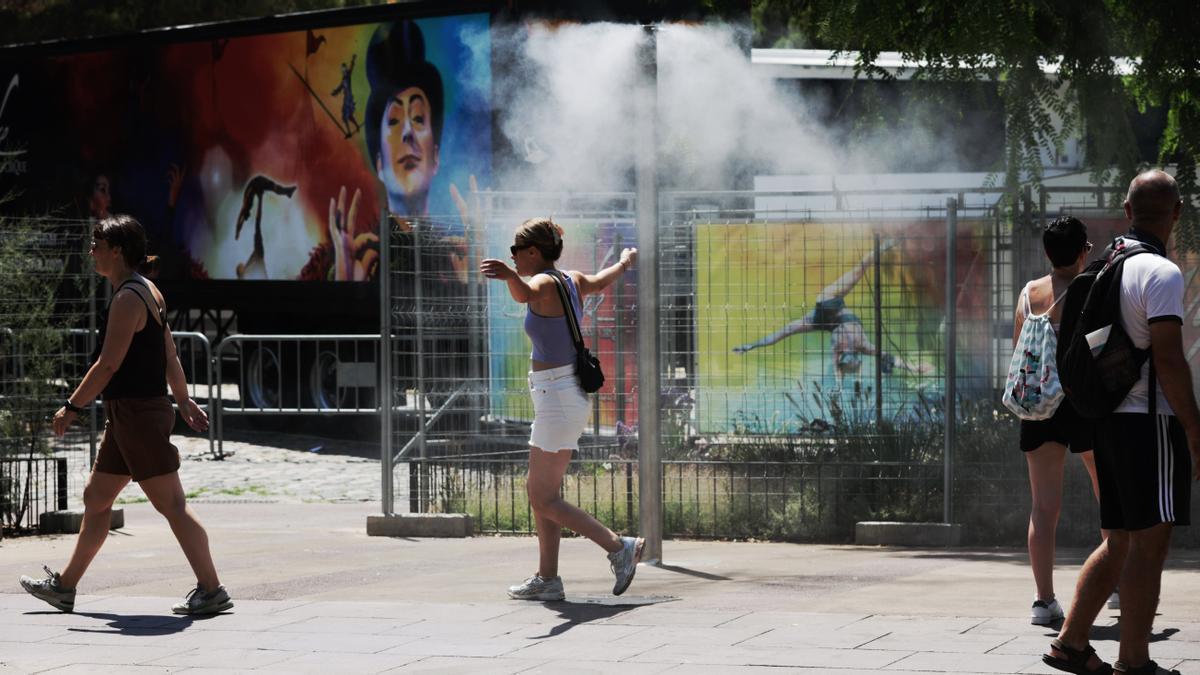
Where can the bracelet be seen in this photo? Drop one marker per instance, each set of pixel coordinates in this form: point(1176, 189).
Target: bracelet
point(72, 407)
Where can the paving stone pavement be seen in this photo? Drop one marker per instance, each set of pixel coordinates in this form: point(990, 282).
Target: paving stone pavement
point(314, 594)
point(259, 470)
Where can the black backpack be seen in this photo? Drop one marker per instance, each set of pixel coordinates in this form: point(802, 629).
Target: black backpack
point(1096, 381)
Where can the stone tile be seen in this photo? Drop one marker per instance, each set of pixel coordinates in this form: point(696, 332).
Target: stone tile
point(598, 633)
point(946, 643)
point(344, 626)
point(654, 636)
point(558, 650)
point(450, 665)
point(325, 663)
point(337, 642)
point(10, 632)
point(784, 638)
point(769, 620)
point(224, 659)
point(586, 667)
point(115, 637)
point(960, 663)
point(916, 624)
point(659, 616)
point(453, 629)
point(102, 669)
point(699, 669)
point(812, 657)
point(488, 647)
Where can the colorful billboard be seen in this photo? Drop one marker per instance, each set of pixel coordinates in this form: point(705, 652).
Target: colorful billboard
point(270, 156)
point(786, 313)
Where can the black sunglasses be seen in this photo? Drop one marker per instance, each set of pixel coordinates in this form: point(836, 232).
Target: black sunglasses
point(519, 247)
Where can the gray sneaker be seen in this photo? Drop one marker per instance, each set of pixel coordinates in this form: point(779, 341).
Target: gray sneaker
point(50, 590)
point(624, 562)
point(538, 588)
point(200, 602)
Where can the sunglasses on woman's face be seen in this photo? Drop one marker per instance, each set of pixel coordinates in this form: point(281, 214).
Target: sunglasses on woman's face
point(516, 248)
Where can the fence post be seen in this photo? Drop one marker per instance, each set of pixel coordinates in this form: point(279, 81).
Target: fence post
point(878, 293)
point(384, 399)
point(649, 356)
point(951, 339)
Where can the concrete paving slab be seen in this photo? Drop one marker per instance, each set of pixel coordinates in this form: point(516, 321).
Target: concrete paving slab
point(313, 593)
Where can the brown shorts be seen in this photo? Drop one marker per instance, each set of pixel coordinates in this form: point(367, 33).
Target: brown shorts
point(137, 438)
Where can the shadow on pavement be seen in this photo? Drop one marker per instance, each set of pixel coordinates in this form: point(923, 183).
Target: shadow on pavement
point(693, 573)
point(136, 624)
point(581, 609)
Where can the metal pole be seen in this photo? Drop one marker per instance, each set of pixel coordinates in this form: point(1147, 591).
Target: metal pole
point(419, 318)
point(93, 423)
point(384, 400)
point(951, 357)
point(649, 370)
point(878, 340)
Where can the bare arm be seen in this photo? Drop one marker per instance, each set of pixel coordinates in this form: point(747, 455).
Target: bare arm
point(122, 324)
point(594, 283)
point(797, 326)
point(540, 287)
point(177, 381)
point(1175, 377)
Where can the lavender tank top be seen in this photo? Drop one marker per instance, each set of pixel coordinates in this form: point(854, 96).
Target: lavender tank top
point(550, 335)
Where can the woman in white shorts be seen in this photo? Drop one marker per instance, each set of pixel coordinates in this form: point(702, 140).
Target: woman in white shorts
point(560, 407)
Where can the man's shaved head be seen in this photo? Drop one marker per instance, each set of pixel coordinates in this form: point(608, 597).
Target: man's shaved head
point(1152, 198)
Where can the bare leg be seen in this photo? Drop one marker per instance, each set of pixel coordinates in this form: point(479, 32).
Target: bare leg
point(549, 535)
point(98, 497)
point(1140, 583)
point(1096, 582)
point(801, 325)
point(546, 470)
point(840, 287)
point(1089, 463)
point(166, 494)
point(1045, 481)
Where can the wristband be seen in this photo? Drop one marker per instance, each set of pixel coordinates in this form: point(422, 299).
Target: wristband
point(72, 407)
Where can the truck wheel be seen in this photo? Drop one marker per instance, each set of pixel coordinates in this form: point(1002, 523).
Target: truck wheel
point(261, 379)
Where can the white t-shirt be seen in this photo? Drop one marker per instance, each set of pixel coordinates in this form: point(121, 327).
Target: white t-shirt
point(1151, 289)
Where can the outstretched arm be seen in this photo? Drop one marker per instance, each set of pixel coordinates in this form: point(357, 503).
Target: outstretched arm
point(540, 287)
point(797, 326)
point(594, 283)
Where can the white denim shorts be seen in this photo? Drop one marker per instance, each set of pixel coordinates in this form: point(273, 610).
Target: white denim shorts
point(560, 409)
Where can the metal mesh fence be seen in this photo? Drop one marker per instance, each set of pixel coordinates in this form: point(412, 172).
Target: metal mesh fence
point(47, 301)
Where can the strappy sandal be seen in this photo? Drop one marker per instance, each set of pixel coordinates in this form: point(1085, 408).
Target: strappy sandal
point(1076, 661)
point(1148, 668)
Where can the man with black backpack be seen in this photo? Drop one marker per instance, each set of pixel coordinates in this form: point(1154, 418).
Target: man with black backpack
point(1143, 443)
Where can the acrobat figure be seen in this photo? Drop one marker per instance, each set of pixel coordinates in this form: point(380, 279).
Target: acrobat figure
point(848, 341)
point(347, 92)
point(255, 266)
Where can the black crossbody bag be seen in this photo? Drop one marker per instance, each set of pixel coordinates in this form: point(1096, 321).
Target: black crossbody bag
point(587, 367)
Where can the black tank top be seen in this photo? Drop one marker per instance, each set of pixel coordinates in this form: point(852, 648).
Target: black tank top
point(143, 372)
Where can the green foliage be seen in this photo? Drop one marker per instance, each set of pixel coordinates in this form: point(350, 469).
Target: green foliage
point(32, 340)
point(1007, 43)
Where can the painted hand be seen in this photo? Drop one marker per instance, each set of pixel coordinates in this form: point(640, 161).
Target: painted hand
point(353, 255)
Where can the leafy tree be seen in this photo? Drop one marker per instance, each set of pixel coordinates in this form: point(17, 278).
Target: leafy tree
point(1112, 56)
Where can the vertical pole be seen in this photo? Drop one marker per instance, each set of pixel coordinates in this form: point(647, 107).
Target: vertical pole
point(878, 340)
point(419, 318)
point(619, 336)
point(649, 357)
point(384, 399)
point(951, 358)
point(93, 424)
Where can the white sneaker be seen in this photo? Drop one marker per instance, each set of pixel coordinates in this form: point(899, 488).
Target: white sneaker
point(1114, 600)
point(624, 562)
point(538, 588)
point(1045, 613)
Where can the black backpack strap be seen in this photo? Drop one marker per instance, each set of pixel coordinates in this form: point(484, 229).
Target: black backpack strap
point(568, 311)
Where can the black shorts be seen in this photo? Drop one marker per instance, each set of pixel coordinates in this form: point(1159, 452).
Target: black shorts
point(1065, 427)
point(1144, 471)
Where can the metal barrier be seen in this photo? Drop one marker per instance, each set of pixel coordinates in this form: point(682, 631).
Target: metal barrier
point(30, 486)
point(296, 374)
point(186, 343)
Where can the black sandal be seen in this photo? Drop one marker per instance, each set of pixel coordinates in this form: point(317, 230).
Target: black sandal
point(1148, 668)
point(1076, 661)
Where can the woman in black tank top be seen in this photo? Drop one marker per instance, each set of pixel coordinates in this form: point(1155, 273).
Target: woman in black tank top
point(136, 362)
